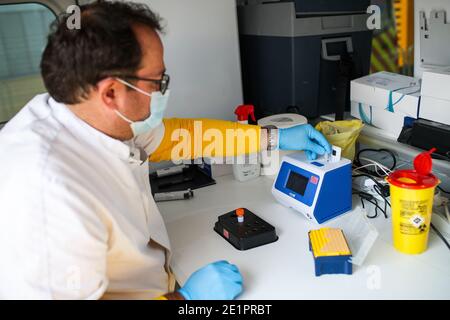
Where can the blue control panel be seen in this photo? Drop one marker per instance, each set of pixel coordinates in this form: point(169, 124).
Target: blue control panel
point(297, 183)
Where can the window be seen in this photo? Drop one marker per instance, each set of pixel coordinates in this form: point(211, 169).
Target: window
point(23, 36)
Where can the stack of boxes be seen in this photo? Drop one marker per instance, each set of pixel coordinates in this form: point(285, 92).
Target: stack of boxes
point(435, 96)
point(384, 99)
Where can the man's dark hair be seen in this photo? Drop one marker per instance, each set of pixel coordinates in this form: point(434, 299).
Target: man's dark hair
point(75, 60)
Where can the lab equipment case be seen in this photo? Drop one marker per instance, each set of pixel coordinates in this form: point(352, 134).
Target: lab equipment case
point(252, 232)
point(193, 177)
point(299, 56)
point(319, 189)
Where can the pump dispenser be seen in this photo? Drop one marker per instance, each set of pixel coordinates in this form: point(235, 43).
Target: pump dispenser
point(243, 112)
point(247, 166)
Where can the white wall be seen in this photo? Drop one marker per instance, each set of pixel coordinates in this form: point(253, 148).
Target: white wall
point(202, 57)
point(427, 6)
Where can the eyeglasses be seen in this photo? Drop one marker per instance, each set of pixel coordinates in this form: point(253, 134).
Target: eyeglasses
point(163, 83)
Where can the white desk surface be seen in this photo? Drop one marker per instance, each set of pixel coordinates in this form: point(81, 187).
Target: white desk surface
point(285, 269)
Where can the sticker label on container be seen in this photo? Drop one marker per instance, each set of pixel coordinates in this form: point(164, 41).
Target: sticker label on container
point(417, 220)
point(226, 234)
point(412, 216)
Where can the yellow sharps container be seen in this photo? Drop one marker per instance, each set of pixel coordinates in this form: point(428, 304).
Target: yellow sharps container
point(412, 193)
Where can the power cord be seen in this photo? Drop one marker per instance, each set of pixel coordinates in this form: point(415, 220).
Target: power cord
point(439, 234)
point(368, 176)
point(359, 164)
point(442, 190)
point(380, 189)
point(370, 198)
point(386, 201)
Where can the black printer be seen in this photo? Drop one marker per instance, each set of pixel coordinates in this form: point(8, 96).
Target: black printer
point(299, 56)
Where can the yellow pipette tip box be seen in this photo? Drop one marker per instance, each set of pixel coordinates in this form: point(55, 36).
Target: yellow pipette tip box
point(330, 251)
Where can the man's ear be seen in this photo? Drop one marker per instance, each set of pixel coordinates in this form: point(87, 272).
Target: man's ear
point(110, 92)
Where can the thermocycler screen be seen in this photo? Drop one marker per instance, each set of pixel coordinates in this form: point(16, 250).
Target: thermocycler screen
point(297, 183)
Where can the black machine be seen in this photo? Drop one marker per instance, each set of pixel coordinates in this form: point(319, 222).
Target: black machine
point(426, 134)
point(299, 56)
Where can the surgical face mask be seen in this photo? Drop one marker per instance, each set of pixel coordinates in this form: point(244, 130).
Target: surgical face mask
point(158, 105)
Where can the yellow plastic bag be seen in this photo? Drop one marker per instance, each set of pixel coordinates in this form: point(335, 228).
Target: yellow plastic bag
point(342, 134)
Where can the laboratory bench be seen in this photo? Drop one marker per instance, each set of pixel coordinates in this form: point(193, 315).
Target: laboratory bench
point(285, 269)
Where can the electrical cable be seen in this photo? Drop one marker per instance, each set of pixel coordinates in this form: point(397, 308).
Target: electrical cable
point(377, 207)
point(368, 176)
point(377, 190)
point(394, 158)
point(363, 167)
point(439, 234)
point(368, 197)
point(442, 190)
point(376, 165)
point(386, 170)
point(386, 202)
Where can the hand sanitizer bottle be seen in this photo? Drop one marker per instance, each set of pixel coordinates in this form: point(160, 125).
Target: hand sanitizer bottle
point(248, 166)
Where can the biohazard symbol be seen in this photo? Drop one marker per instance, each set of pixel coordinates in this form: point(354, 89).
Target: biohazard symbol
point(422, 228)
point(418, 222)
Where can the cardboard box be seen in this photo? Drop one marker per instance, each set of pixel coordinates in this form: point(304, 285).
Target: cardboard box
point(435, 100)
point(388, 91)
point(435, 109)
point(391, 123)
point(436, 84)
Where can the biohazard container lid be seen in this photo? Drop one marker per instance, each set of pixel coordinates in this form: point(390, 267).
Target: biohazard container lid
point(411, 179)
point(419, 178)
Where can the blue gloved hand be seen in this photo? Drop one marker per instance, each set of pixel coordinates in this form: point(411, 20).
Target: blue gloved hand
point(216, 281)
point(304, 137)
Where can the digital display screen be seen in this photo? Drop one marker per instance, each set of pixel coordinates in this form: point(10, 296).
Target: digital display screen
point(297, 183)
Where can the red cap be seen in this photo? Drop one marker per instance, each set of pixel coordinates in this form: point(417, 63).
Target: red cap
point(420, 178)
point(411, 179)
point(245, 110)
point(423, 162)
point(240, 212)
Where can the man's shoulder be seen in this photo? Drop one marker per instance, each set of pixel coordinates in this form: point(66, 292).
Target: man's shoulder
point(34, 140)
point(34, 120)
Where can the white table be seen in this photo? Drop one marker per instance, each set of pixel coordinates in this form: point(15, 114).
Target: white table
point(285, 269)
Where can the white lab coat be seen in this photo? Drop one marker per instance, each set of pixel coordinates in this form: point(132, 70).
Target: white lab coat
point(76, 211)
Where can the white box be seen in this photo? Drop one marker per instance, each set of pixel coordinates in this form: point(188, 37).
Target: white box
point(388, 91)
point(435, 109)
point(391, 123)
point(436, 84)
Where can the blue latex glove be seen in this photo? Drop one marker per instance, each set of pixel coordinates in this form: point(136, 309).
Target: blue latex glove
point(304, 137)
point(216, 281)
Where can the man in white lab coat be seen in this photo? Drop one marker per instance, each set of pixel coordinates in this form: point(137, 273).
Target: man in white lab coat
point(78, 220)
